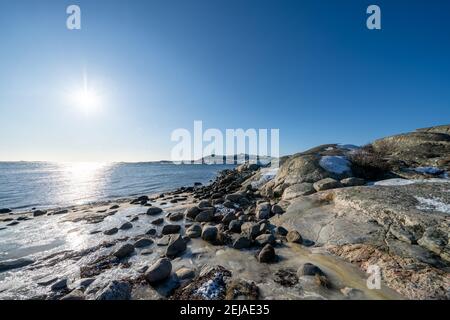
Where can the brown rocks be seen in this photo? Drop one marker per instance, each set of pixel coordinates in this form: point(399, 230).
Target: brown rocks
point(250, 229)
point(264, 239)
point(281, 231)
point(206, 215)
point(158, 221)
point(242, 242)
point(267, 254)
point(38, 213)
point(204, 204)
point(192, 212)
point(159, 271)
point(194, 231)
point(110, 231)
point(234, 197)
point(352, 182)
point(176, 246)
point(294, 236)
point(228, 217)
point(209, 233)
point(177, 216)
point(277, 209)
point(298, 190)
point(326, 184)
point(263, 211)
point(235, 226)
point(143, 242)
point(308, 269)
point(185, 273)
point(126, 226)
point(170, 229)
point(154, 211)
point(116, 290)
point(124, 251)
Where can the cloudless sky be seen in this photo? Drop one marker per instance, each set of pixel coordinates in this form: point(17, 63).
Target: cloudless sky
point(310, 68)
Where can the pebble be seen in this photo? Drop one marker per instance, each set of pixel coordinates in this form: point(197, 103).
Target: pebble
point(124, 251)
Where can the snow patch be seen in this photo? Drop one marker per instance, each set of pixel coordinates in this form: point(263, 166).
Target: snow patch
point(434, 204)
point(404, 182)
point(267, 174)
point(213, 288)
point(394, 182)
point(335, 164)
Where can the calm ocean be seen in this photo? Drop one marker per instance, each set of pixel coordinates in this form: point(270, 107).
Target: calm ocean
point(24, 185)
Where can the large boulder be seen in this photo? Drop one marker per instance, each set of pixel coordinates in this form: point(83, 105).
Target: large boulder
point(159, 271)
point(310, 167)
point(176, 246)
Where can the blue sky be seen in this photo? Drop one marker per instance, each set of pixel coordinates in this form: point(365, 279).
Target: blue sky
point(310, 68)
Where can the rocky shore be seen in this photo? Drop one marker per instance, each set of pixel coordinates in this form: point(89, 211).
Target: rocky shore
point(308, 230)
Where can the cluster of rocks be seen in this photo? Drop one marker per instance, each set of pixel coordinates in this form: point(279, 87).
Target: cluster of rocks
point(318, 197)
point(236, 216)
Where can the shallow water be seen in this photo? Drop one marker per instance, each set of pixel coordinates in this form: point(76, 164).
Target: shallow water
point(47, 235)
point(24, 185)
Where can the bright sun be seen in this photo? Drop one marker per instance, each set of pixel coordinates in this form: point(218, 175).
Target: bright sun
point(86, 100)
